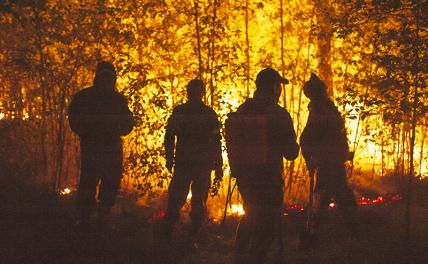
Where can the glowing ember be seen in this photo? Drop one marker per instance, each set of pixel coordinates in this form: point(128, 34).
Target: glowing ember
point(237, 209)
point(298, 207)
point(332, 205)
point(159, 215)
point(364, 201)
point(65, 191)
point(379, 199)
point(396, 198)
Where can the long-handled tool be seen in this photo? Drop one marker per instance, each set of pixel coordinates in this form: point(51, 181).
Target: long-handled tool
point(308, 239)
point(230, 190)
point(227, 200)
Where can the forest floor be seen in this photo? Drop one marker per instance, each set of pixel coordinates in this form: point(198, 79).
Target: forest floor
point(39, 227)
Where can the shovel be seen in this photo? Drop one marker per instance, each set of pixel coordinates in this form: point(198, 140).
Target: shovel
point(308, 240)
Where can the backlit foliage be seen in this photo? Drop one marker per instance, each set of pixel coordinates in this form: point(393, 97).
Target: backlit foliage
point(49, 49)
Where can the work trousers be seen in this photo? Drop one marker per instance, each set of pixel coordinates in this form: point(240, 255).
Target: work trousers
point(332, 184)
point(100, 163)
point(260, 226)
point(198, 179)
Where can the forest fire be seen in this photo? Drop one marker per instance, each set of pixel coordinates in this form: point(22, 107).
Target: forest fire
point(294, 209)
point(379, 200)
point(364, 201)
point(159, 215)
point(189, 196)
point(65, 191)
point(369, 54)
point(379, 129)
point(237, 209)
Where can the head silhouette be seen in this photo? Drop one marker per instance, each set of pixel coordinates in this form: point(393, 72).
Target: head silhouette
point(105, 76)
point(195, 90)
point(268, 84)
point(315, 88)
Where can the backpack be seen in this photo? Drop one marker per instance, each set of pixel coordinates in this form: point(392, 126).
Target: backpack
point(246, 141)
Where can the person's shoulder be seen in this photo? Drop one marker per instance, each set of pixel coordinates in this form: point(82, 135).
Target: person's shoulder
point(84, 91)
point(333, 106)
point(245, 106)
point(118, 94)
point(279, 110)
point(331, 109)
point(208, 110)
point(120, 97)
point(179, 109)
point(83, 94)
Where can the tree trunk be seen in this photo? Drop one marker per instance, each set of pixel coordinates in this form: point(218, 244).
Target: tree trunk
point(212, 66)
point(374, 163)
point(284, 93)
point(198, 38)
point(382, 154)
point(421, 155)
point(325, 35)
point(414, 119)
point(247, 52)
point(43, 87)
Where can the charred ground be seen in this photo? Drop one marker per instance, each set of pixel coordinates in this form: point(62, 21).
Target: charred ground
point(39, 227)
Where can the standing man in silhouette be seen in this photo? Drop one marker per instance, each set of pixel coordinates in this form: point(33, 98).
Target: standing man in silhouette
point(99, 115)
point(193, 148)
point(260, 134)
point(325, 149)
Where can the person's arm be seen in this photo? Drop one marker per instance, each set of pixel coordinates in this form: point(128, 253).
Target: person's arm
point(218, 158)
point(75, 115)
point(347, 154)
point(310, 141)
point(290, 148)
point(169, 141)
point(307, 150)
point(126, 118)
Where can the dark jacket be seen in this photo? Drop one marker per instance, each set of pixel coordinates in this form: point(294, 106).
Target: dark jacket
point(281, 137)
point(99, 117)
point(197, 130)
point(323, 139)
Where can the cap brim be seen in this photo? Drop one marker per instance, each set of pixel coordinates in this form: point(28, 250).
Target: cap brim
point(284, 81)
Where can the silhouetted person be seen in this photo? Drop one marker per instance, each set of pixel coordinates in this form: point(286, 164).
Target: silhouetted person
point(268, 128)
point(193, 132)
point(99, 115)
point(325, 149)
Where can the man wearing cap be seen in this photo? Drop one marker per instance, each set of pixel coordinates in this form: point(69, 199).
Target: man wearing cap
point(193, 148)
point(260, 181)
point(99, 115)
point(325, 149)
